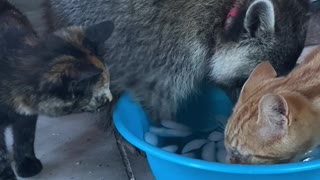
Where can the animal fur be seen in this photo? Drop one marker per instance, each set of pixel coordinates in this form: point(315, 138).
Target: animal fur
point(55, 75)
point(276, 120)
point(162, 50)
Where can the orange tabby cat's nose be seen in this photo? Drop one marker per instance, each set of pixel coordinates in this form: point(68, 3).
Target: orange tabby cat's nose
point(237, 158)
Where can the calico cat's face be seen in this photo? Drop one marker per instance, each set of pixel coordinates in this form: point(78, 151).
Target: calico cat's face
point(73, 77)
point(268, 127)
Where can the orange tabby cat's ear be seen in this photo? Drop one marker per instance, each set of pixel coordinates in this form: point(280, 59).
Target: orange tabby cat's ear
point(262, 72)
point(273, 115)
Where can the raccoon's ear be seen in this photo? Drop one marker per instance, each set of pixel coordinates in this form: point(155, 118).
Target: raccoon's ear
point(100, 32)
point(260, 18)
point(263, 71)
point(273, 116)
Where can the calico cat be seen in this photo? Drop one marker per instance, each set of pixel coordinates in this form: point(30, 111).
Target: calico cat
point(276, 120)
point(162, 50)
point(57, 75)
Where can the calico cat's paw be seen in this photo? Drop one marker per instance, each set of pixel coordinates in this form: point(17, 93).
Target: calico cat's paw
point(7, 174)
point(99, 101)
point(28, 167)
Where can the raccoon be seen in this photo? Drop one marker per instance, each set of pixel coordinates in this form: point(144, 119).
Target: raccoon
point(162, 50)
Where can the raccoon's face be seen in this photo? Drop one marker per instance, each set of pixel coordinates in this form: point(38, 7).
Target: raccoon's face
point(76, 79)
point(263, 30)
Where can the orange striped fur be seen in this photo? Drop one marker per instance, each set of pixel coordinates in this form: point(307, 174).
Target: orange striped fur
point(276, 119)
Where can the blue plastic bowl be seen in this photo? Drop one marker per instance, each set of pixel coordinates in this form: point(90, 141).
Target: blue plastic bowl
point(132, 122)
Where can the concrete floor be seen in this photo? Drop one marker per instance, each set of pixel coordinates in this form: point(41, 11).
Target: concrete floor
point(74, 147)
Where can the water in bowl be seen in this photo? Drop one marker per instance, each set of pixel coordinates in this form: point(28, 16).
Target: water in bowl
point(205, 145)
point(199, 133)
point(180, 139)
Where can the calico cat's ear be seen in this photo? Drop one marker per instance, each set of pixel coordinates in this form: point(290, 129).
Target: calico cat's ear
point(260, 18)
point(100, 32)
point(273, 116)
point(263, 71)
point(87, 73)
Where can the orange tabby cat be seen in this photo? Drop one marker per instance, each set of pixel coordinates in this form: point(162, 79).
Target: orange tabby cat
point(276, 120)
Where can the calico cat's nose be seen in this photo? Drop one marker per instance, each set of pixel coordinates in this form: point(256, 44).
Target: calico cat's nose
point(109, 95)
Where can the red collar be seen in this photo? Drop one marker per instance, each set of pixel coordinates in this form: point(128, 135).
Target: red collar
point(235, 9)
point(232, 14)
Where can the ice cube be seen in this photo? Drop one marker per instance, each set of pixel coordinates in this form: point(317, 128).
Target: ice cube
point(151, 138)
point(174, 125)
point(170, 148)
point(312, 154)
point(220, 144)
point(216, 136)
point(164, 132)
point(194, 144)
point(209, 152)
point(308, 159)
point(221, 155)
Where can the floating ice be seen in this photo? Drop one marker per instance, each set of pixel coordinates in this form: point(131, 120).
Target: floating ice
point(308, 159)
point(221, 155)
point(164, 132)
point(204, 146)
point(220, 144)
point(174, 125)
point(209, 152)
point(216, 136)
point(151, 138)
point(192, 145)
point(178, 138)
point(209, 146)
point(312, 155)
point(171, 148)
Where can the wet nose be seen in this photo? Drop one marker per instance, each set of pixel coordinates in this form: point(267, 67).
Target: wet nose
point(236, 160)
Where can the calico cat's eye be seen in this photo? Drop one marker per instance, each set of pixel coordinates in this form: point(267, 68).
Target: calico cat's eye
point(73, 83)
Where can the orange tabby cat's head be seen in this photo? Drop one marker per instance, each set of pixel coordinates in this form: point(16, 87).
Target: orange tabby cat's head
point(268, 125)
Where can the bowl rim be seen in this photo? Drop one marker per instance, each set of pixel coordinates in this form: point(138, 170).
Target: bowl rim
point(210, 166)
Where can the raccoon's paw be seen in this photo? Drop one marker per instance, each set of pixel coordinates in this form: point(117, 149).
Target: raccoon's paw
point(7, 174)
point(28, 167)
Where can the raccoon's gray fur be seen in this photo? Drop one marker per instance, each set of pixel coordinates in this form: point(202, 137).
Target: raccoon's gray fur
point(161, 50)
